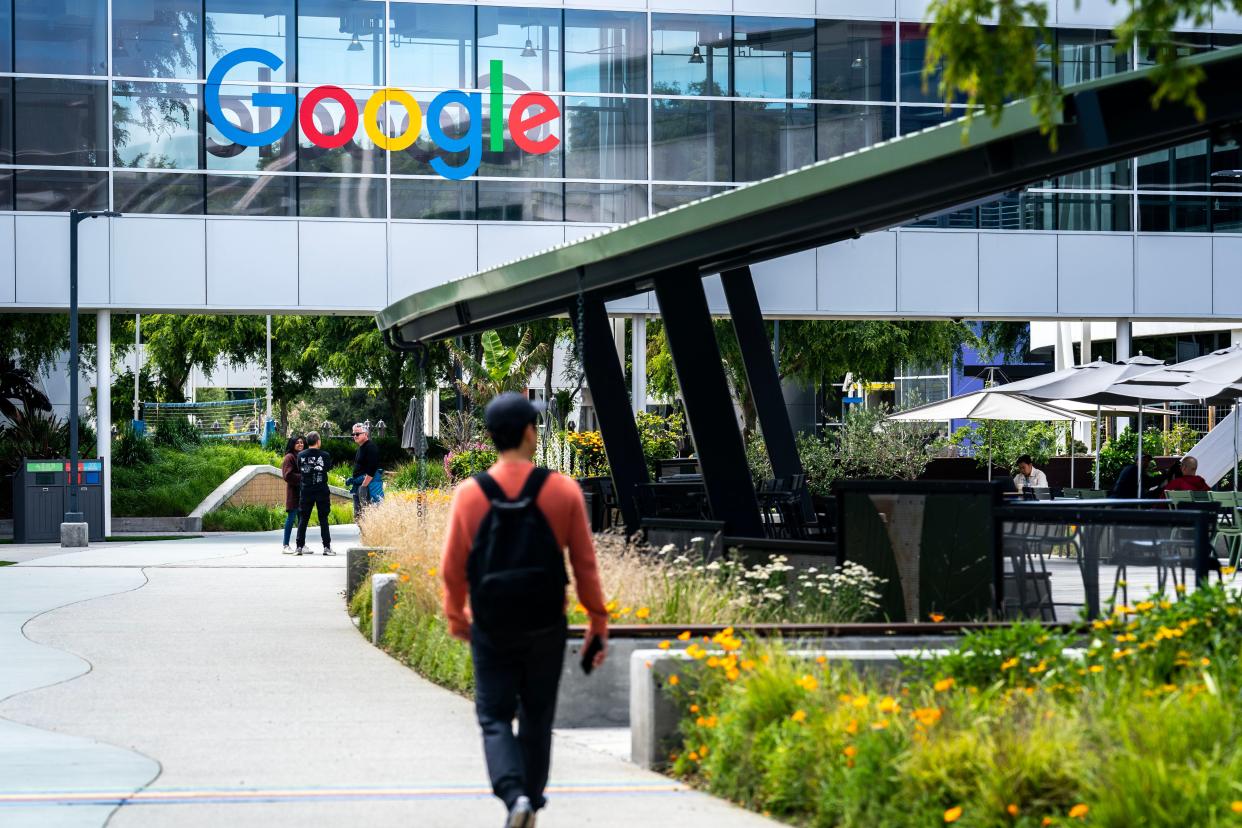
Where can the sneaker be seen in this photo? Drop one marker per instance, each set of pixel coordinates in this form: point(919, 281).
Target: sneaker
point(285, 550)
point(301, 551)
point(327, 550)
point(521, 815)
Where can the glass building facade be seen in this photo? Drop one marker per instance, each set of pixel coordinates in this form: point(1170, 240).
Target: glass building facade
point(101, 106)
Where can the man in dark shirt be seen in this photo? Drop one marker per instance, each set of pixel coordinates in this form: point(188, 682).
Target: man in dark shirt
point(366, 467)
point(314, 463)
point(1127, 485)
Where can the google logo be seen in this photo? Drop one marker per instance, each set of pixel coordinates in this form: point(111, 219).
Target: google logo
point(530, 112)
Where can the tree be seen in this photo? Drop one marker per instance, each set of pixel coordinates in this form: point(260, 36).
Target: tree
point(295, 362)
point(502, 368)
point(176, 344)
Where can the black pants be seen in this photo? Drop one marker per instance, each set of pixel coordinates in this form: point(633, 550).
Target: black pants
point(517, 675)
point(322, 504)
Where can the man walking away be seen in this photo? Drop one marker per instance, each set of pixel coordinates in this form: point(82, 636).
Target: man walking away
point(366, 467)
point(508, 529)
point(314, 463)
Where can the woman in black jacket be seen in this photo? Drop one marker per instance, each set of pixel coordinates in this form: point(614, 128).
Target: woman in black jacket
point(293, 479)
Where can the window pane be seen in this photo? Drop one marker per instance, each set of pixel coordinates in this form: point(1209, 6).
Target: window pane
point(420, 198)
point(606, 138)
point(1179, 168)
point(62, 122)
point(6, 64)
point(667, 196)
point(1227, 166)
point(913, 52)
point(770, 139)
point(360, 155)
point(844, 128)
point(1171, 214)
point(520, 201)
point(61, 190)
point(693, 140)
point(964, 219)
point(169, 193)
point(157, 38)
point(6, 122)
point(605, 51)
point(772, 57)
point(529, 43)
point(514, 160)
point(1087, 54)
point(155, 125)
point(690, 54)
point(252, 195)
point(341, 197)
point(432, 47)
point(416, 159)
point(605, 203)
point(259, 24)
point(59, 38)
point(1110, 177)
point(1226, 214)
point(915, 118)
point(855, 61)
point(241, 112)
point(6, 189)
point(341, 42)
point(1084, 211)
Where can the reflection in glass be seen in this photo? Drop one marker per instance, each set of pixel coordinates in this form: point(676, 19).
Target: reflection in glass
point(61, 122)
point(770, 139)
point(844, 128)
point(1183, 167)
point(693, 140)
point(6, 65)
point(341, 42)
point(157, 38)
point(605, 51)
point(155, 125)
point(431, 46)
point(416, 159)
point(1226, 214)
point(421, 198)
point(6, 189)
point(1087, 54)
point(167, 193)
point(855, 61)
point(667, 196)
point(1090, 211)
point(690, 54)
point(514, 160)
point(913, 52)
point(6, 122)
point(1109, 177)
point(527, 40)
point(61, 190)
point(605, 203)
point(606, 138)
point(252, 195)
point(772, 57)
point(259, 24)
point(520, 201)
point(1185, 44)
point(360, 155)
point(1227, 166)
point(915, 118)
point(1174, 214)
point(60, 38)
point(342, 197)
point(224, 155)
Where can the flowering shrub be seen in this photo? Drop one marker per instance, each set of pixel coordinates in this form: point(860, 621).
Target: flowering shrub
point(590, 456)
point(469, 461)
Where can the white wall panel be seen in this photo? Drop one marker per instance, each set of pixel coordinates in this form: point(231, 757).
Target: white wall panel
point(912, 9)
point(856, 8)
point(1017, 273)
point(499, 243)
point(1172, 274)
point(1095, 275)
point(1090, 12)
point(8, 261)
point(573, 232)
point(42, 260)
point(857, 275)
point(251, 263)
point(805, 7)
point(938, 273)
point(159, 262)
point(342, 264)
point(788, 284)
point(425, 255)
point(1227, 275)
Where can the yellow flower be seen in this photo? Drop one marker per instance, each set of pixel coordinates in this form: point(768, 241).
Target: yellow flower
point(673, 680)
point(1180, 588)
point(821, 659)
point(888, 705)
point(927, 716)
point(1228, 570)
point(611, 606)
point(935, 617)
point(1120, 654)
point(732, 674)
point(694, 708)
point(431, 572)
point(1011, 809)
point(1038, 668)
point(807, 682)
point(1096, 668)
point(664, 645)
point(1010, 663)
point(1236, 806)
point(851, 727)
point(694, 757)
point(643, 612)
point(882, 724)
point(850, 751)
point(405, 579)
point(1079, 811)
point(799, 716)
point(684, 636)
point(944, 684)
point(860, 702)
point(953, 814)
point(1047, 821)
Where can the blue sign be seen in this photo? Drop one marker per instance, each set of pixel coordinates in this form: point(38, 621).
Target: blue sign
point(852, 400)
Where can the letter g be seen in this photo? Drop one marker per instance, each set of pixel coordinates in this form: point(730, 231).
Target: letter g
point(285, 101)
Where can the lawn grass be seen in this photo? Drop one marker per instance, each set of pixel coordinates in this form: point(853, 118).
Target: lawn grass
point(177, 481)
point(255, 518)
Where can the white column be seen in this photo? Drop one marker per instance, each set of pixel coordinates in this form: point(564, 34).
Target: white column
point(638, 392)
point(137, 360)
point(1235, 336)
point(1086, 343)
point(1123, 340)
point(103, 408)
point(269, 373)
point(618, 336)
point(1063, 348)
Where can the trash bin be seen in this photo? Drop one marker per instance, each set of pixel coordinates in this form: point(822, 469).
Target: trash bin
point(41, 492)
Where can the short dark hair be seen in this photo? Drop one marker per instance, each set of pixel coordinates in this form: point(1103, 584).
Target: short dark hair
point(1026, 458)
point(509, 437)
point(312, 438)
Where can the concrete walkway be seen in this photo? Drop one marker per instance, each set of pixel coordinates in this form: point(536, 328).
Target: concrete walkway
point(214, 681)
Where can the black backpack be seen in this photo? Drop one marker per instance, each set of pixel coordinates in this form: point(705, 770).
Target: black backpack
point(516, 568)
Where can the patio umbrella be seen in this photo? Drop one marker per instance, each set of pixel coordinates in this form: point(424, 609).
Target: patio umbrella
point(982, 405)
point(413, 432)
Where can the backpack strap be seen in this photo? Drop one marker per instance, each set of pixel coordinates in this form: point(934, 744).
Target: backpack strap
point(490, 487)
point(534, 483)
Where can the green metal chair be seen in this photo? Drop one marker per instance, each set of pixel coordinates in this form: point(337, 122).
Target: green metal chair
point(1230, 527)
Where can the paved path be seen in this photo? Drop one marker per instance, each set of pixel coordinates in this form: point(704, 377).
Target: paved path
point(213, 681)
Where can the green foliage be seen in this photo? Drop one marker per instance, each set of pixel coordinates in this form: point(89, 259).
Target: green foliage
point(1179, 439)
point(41, 435)
point(502, 368)
point(1008, 440)
point(660, 437)
point(469, 462)
point(420, 474)
point(256, 518)
point(130, 448)
point(176, 482)
point(176, 433)
point(1123, 450)
point(344, 450)
point(757, 457)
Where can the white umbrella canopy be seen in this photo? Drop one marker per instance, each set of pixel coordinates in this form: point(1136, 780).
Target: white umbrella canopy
point(1113, 410)
point(983, 405)
point(1218, 366)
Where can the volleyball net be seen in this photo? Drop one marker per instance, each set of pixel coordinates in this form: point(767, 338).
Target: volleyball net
point(225, 419)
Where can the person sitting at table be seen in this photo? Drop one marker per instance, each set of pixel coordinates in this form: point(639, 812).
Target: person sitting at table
point(1189, 480)
point(1127, 482)
point(1028, 475)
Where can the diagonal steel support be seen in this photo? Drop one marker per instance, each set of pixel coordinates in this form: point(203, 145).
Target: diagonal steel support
point(762, 376)
point(709, 405)
point(609, 394)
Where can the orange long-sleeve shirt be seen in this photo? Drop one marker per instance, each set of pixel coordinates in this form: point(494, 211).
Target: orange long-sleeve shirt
point(562, 504)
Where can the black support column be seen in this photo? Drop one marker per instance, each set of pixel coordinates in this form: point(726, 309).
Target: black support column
point(611, 398)
point(762, 376)
point(709, 405)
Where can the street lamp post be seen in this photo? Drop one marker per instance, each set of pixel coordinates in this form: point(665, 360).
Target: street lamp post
point(76, 217)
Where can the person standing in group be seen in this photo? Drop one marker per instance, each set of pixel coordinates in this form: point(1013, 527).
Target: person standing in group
point(293, 486)
point(366, 470)
point(508, 529)
point(313, 463)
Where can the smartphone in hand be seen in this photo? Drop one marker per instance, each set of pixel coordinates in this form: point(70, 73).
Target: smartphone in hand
point(589, 653)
